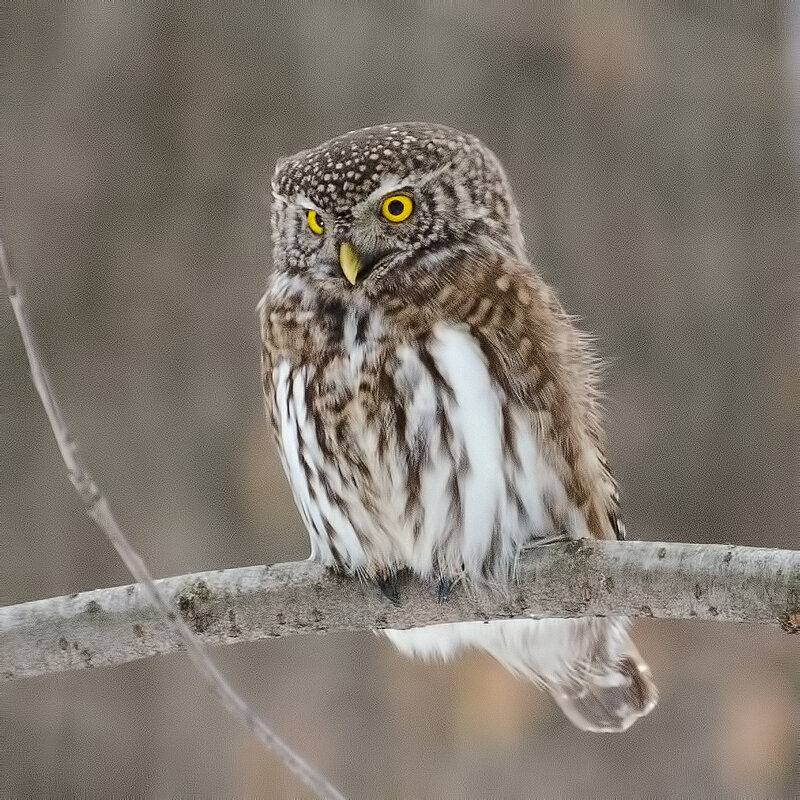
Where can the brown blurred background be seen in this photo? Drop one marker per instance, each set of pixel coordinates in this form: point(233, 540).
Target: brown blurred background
point(654, 151)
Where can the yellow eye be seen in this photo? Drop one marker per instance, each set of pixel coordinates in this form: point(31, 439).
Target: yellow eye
point(397, 207)
point(315, 222)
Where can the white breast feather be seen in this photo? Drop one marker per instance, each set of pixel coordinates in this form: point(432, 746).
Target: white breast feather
point(290, 455)
point(316, 511)
point(474, 409)
point(475, 417)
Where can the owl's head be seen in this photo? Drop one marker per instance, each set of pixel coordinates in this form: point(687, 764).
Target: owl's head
point(383, 208)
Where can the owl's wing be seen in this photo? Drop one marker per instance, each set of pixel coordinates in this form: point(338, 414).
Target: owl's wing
point(546, 364)
point(612, 501)
point(272, 318)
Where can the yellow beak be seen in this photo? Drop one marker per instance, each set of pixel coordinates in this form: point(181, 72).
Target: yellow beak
point(348, 261)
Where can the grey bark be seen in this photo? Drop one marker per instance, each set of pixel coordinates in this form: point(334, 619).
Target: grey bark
point(724, 583)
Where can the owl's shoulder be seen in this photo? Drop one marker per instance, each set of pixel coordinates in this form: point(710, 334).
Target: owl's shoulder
point(547, 366)
point(527, 339)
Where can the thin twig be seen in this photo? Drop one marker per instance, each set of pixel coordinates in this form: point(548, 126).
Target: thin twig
point(99, 510)
point(104, 627)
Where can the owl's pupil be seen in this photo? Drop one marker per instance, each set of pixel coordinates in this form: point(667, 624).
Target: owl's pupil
point(395, 208)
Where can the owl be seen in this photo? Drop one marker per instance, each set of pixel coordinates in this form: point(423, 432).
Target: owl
point(435, 408)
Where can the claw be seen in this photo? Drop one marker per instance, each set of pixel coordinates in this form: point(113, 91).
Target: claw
point(387, 583)
point(443, 588)
point(557, 538)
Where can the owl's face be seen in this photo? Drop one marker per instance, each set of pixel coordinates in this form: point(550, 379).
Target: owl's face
point(384, 209)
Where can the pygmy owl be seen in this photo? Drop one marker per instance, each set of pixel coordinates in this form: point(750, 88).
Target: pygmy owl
point(434, 406)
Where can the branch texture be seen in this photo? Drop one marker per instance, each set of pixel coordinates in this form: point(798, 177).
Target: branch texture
point(580, 578)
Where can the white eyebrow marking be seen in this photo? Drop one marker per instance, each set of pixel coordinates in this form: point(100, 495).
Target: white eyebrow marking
point(279, 198)
point(429, 176)
point(389, 183)
point(305, 202)
point(302, 201)
point(392, 182)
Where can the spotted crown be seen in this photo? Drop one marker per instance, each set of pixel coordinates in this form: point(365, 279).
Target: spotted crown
point(345, 170)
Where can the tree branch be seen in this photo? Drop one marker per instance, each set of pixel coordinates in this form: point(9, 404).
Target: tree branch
point(98, 508)
point(581, 578)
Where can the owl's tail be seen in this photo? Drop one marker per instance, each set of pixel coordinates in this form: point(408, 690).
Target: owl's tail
point(610, 701)
point(590, 666)
point(598, 679)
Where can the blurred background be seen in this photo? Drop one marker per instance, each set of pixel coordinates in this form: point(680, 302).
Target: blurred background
point(654, 153)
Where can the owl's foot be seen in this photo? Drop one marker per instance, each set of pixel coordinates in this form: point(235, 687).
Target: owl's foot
point(443, 588)
point(387, 583)
point(557, 538)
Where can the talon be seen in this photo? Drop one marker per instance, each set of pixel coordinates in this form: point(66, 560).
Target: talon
point(387, 583)
point(443, 588)
point(557, 538)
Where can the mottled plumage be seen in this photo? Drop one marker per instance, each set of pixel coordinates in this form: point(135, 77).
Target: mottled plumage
point(434, 406)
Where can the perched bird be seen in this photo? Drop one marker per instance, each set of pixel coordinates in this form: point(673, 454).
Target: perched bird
point(435, 408)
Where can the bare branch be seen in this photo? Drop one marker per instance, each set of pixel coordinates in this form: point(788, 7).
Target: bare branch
point(582, 578)
point(98, 509)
